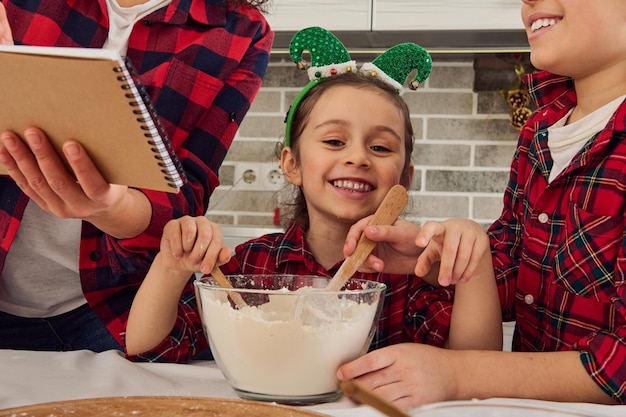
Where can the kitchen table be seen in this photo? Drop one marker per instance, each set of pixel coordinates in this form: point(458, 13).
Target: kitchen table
point(28, 377)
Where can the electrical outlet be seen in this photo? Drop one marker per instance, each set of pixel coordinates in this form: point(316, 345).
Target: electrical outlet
point(248, 177)
point(262, 176)
point(272, 176)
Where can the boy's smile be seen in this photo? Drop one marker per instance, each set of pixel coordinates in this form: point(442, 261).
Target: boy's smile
point(543, 23)
point(576, 38)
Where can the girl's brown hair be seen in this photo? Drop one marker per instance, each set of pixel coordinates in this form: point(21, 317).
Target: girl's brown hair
point(293, 206)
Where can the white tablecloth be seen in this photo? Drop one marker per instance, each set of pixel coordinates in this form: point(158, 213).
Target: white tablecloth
point(28, 377)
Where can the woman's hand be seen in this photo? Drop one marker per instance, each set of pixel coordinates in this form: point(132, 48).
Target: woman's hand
point(82, 193)
point(6, 36)
point(78, 192)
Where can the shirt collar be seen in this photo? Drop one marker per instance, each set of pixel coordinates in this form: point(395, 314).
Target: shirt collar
point(545, 88)
point(558, 92)
point(293, 248)
point(555, 96)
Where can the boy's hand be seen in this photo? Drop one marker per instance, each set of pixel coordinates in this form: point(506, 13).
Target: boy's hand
point(406, 374)
point(395, 253)
point(441, 253)
point(457, 245)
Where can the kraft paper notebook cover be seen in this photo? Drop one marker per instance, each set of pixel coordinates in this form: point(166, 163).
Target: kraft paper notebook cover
point(92, 96)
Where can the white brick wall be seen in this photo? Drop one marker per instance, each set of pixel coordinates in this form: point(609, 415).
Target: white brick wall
point(463, 145)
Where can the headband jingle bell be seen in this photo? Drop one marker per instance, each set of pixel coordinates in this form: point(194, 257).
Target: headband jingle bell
point(330, 57)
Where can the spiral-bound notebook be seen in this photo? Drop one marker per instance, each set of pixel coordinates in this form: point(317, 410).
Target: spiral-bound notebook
point(94, 97)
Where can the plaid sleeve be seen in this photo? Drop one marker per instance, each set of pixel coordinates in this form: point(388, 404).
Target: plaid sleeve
point(186, 339)
point(201, 93)
point(603, 352)
point(201, 78)
point(429, 314)
point(602, 355)
point(505, 234)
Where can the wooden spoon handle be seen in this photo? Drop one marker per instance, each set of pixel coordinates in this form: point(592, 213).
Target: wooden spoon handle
point(387, 213)
point(224, 283)
point(360, 394)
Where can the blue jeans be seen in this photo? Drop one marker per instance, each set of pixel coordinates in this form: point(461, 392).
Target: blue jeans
point(75, 330)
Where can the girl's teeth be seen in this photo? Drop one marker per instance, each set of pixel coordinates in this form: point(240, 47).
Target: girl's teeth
point(352, 185)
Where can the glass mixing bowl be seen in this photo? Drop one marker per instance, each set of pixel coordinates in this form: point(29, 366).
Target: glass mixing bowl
point(286, 343)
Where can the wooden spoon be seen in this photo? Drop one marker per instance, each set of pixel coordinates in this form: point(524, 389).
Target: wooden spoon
point(387, 213)
point(224, 283)
point(360, 394)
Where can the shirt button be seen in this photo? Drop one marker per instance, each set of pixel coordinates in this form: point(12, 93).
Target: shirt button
point(95, 256)
point(543, 218)
point(529, 299)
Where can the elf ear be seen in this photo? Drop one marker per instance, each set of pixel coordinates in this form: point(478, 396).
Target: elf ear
point(396, 64)
point(328, 55)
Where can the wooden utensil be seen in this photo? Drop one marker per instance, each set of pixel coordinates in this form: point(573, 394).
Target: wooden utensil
point(224, 283)
point(360, 394)
point(387, 213)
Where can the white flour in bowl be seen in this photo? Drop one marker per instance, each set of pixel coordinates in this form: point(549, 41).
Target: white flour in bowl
point(268, 350)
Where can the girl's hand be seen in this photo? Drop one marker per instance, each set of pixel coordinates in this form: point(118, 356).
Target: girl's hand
point(6, 36)
point(192, 244)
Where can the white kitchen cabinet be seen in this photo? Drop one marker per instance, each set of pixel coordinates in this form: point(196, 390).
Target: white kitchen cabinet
point(446, 15)
point(440, 26)
point(334, 15)
point(293, 15)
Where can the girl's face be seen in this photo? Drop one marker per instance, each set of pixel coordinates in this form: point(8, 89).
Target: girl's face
point(575, 38)
point(351, 152)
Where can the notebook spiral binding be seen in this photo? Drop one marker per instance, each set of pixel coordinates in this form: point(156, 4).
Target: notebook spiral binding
point(154, 130)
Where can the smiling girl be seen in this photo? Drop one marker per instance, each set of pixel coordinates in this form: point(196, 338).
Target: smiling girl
point(348, 142)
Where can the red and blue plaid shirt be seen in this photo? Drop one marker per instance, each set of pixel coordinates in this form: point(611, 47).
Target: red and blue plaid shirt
point(413, 311)
point(202, 64)
point(559, 249)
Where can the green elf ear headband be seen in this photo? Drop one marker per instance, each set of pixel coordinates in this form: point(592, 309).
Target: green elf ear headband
point(329, 57)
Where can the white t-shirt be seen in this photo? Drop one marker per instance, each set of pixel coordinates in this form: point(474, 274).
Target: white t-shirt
point(122, 19)
point(40, 276)
point(565, 141)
